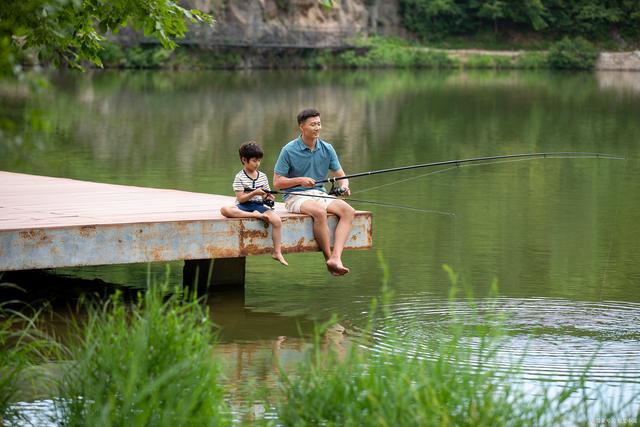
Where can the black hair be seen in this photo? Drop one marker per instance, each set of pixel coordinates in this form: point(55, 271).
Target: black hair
point(306, 113)
point(250, 150)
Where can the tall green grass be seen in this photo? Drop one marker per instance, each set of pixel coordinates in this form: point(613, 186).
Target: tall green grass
point(449, 384)
point(24, 348)
point(152, 363)
point(145, 364)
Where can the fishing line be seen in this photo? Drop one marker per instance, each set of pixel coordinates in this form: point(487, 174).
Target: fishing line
point(466, 165)
point(381, 204)
point(550, 154)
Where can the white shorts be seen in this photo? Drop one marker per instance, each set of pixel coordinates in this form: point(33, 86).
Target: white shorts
point(295, 201)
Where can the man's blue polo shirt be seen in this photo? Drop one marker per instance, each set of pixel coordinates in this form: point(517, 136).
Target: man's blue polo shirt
point(297, 160)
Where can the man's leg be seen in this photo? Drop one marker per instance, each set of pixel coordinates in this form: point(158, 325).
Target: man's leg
point(320, 227)
point(345, 214)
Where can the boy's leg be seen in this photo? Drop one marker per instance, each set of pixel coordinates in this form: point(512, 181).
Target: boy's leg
point(276, 235)
point(345, 214)
point(235, 212)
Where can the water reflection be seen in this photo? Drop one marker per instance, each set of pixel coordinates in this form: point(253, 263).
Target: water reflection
point(561, 236)
point(624, 82)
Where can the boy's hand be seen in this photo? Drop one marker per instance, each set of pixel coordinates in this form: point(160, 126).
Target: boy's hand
point(270, 196)
point(259, 192)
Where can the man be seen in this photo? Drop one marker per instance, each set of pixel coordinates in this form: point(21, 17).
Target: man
point(301, 163)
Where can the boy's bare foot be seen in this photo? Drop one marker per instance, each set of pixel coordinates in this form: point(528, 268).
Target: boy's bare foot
point(278, 257)
point(336, 268)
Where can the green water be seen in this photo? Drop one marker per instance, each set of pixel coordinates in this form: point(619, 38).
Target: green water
point(562, 236)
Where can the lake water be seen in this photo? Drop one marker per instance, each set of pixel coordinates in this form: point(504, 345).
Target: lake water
point(560, 236)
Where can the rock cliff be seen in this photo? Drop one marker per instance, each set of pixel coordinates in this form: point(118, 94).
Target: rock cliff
point(304, 23)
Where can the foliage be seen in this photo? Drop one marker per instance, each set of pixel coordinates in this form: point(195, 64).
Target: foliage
point(150, 363)
point(436, 19)
point(532, 60)
point(575, 53)
point(68, 32)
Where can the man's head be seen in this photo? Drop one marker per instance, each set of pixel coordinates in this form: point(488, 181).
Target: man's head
point(309, 123)
point(250, 152)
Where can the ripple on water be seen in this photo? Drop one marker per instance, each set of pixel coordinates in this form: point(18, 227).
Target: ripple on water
point(549, 339)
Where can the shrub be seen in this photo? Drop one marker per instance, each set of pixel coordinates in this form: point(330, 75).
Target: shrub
point(480, 61)
point(433, 59)
point(573, 54)
point(532, 60)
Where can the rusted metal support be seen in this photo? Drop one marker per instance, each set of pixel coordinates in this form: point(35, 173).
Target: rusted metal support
point(207, 275)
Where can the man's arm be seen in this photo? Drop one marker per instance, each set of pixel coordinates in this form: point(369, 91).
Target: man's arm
point(282, 182)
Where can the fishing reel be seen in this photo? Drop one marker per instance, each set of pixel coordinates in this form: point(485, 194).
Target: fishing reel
point(336, 190)
point(269, 203)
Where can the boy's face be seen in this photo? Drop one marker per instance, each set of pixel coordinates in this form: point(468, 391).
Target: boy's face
point(252, 164)
point(310, 128)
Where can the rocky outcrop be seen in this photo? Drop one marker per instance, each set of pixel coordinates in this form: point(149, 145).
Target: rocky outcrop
point(302, 23)
point(624, 61)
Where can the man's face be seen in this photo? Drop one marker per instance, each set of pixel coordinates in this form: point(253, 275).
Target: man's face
point(311, 127)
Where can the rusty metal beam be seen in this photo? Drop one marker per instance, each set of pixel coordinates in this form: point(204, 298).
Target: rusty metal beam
point(162, 241)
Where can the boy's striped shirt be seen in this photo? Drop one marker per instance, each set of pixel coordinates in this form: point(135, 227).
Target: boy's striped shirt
point(242, 181)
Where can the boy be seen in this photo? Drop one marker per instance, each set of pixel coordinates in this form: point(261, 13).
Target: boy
point(250, 204)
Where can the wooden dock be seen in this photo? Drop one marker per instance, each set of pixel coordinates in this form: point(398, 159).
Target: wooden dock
point(50, 222)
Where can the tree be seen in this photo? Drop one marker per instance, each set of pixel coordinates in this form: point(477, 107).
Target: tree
point(72, 31)
point(492, 9)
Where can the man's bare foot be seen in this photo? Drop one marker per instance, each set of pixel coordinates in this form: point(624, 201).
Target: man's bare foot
point(278, 257)
point(336, 268)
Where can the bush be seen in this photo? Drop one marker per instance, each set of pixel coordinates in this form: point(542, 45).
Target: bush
point(433, 59)
point(479, 61)
point(532, 60)
point(576, 54)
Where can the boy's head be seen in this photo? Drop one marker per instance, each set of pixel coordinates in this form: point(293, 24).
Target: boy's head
point(307, 113)
point(250, 150)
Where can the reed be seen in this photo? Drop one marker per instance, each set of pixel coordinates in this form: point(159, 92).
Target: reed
point(146, 363)
point(24, 348)
point(446, 383)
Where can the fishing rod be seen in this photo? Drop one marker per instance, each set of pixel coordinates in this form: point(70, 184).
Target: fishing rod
point(560, 154)
point(271, 204)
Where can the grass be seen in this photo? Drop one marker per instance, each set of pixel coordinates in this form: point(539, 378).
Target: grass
point(23, 349)
point(150, 363)
point(448, 385)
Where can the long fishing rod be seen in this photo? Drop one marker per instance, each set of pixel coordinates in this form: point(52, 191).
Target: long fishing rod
point(271, 203)
point(561, 154)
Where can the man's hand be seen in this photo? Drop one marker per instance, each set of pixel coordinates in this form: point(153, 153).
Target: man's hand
point(346, 191)
point(307, 182)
